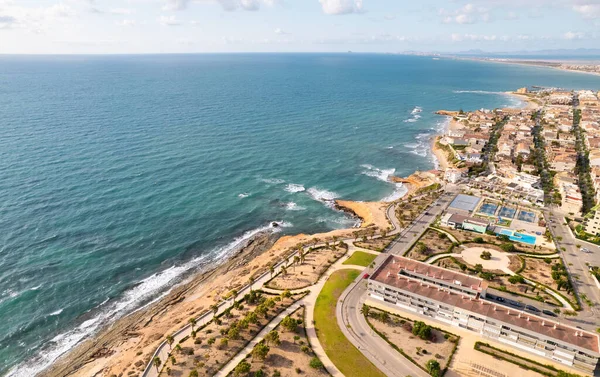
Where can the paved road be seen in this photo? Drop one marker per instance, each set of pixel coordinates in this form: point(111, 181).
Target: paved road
point(357, 330)
point(352, 322)
point(575, 261)
point(409, 235)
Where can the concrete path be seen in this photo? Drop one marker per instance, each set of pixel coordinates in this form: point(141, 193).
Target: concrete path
point(163, 349)
point(230, 366)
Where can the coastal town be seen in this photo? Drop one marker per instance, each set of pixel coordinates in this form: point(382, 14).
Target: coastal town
point(489, 266)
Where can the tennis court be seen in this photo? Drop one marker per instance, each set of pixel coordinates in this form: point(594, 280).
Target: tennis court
point(526, 216)
point(507, 212)
point(488, 209)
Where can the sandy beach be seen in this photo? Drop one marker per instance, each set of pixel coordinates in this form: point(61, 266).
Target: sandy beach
point(440, 155)
point(128, 343)
point(531, 104)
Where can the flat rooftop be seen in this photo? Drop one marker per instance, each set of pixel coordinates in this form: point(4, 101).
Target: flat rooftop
point(465, 202)
point(394, 264)
point(510, 317)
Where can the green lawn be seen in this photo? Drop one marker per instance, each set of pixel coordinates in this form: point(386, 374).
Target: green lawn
point(360, 258)
point(342, 353)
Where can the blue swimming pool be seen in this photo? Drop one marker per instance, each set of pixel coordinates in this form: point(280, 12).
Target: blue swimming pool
point(519, 237)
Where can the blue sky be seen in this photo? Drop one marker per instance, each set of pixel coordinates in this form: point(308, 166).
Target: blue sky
point(178, 26)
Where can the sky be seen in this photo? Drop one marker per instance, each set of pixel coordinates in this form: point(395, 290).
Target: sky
point(197, 26)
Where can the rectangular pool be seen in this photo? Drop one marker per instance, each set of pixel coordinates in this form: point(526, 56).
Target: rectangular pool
point(519, 237)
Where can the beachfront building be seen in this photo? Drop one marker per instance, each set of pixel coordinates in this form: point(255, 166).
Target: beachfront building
point(458, 221)
point(592, 221)
point(458, 300)
point(453, 175)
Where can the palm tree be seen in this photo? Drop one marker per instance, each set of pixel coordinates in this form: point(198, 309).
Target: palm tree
point(372, 266)
point(251, 280)
point(233, 295)
point(170, 340)
point(271, 269)
point(302, 255)
point(296, 261)
point(364, 310)
point(283, 270)
point(156, 361)
point(215, 309)
point(192, 322)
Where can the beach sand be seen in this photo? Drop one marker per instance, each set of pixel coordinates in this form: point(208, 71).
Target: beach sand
point(440, 155)
point(127, 344)
point(530, 103)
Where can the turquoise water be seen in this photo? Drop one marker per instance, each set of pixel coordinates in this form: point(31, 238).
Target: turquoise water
point(519, 237)
point(120, 175)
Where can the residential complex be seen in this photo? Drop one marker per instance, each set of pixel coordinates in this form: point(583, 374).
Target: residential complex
point(459, 300)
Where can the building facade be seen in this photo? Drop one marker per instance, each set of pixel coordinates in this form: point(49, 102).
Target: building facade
point(459, 300)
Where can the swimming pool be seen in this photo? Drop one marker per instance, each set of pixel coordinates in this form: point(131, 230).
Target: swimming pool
point(507, 212)
point(526, 216)
point(519, 237)
point(488, 208)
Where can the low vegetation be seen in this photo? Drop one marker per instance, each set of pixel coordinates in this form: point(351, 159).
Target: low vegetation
point(360, 258)
point(349, 360)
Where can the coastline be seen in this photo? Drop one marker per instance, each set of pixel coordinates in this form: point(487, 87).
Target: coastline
point(129, 342)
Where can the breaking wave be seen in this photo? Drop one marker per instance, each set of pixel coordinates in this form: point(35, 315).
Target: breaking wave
point(144, 293)
point(292, 187)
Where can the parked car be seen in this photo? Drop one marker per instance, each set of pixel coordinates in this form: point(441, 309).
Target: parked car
point(515, 303)
point(501, 299)
point(365, 276)
point(550, 313)
point(532, 308)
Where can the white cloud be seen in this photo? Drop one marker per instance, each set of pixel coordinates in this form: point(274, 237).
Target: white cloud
point(6, 22)
point(280, 31)
point(588, 11)
point(228, 5)
point(335, 7)
point(468, 14)
point(127, 22)
point(34, 19)
point(574, 35)
point(169, 21)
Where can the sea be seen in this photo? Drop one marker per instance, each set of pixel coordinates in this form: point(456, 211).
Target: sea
point(122, 175)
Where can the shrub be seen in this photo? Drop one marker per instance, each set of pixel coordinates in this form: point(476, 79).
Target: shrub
point(516, 279)
point(194, 373)
point(478, 240)
point(486, 255)
point(433, 367)
point(508, 247)
point(421, 330)
point(315, 363)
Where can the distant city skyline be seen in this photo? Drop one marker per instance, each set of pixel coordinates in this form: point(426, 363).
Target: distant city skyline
point(196, 26)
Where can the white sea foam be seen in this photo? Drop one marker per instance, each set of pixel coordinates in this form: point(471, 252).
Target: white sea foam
point(291, 206)
point(322, 195)
point(55, 313)
point(415, 115)
point(243, 195)
point(35, 288)
point(273, 181)
point(144, 293)
point(398, 193)
point(381, 174)
point(292, 187)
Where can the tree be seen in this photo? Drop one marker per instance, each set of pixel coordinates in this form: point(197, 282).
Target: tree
point(193, 373)
point(214, 308)
point(315, 363)
point(296, 261)
point(260, 351)
point(364, 310)
point(516, 279)
point(296, 338)
point(286, 294)
point(211, 341)
point(283, 270)
point(223, 343)
point(233, 333)
point(251, 281)
point(508, 247)
point(486, 255)
point(252, 317)
point(289, 323)
point(242, 369)
point(156, 361)
point(272, 271)
point(421, 330)
point(192, 322)
point(170, 341)
point(272, 338)
point(478, 267)
point(433, 367)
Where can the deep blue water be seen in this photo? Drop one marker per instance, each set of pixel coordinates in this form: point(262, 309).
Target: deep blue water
point(118, 175)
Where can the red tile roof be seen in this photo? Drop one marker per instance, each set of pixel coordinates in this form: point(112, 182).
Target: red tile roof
point(388, 274)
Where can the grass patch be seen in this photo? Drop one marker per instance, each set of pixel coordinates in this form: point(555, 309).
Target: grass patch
point(349, 360)
point(360, 258)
